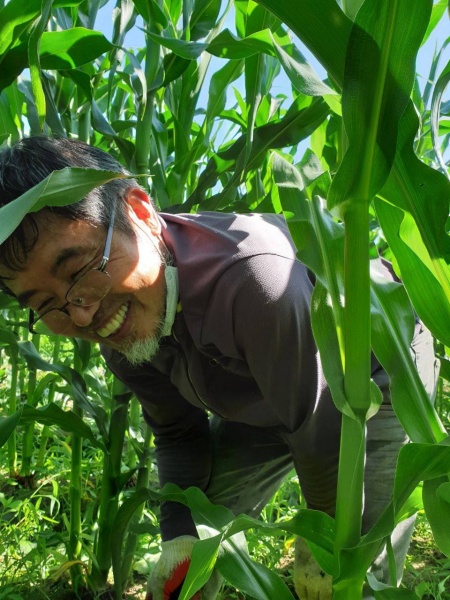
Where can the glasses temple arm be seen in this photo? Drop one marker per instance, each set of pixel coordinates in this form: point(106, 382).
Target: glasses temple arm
point(108, 238)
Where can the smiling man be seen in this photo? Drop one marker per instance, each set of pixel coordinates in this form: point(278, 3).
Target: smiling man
point(206, 318)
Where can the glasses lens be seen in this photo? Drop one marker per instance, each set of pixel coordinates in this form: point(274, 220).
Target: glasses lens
point(90, 288)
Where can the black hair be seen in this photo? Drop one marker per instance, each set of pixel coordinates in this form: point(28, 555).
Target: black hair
point(29, 161)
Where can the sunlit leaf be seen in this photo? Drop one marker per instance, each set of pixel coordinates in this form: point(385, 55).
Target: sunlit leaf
point(438, 92)
point(57, 189)
point(375, 93)
point(203, 560)
point(17, 15)
point(203, 17)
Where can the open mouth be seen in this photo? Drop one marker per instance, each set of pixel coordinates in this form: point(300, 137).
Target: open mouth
point(115, 323)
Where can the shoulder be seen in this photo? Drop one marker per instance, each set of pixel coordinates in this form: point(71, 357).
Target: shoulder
point(235, 236)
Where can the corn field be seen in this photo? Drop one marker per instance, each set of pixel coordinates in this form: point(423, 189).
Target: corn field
point(185, 94)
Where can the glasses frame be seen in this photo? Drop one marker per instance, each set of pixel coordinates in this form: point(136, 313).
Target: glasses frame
point(33, 319)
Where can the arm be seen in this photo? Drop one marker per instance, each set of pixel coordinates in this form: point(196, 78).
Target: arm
point(182, 438)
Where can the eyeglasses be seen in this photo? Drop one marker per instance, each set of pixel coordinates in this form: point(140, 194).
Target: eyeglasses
point(91, 287)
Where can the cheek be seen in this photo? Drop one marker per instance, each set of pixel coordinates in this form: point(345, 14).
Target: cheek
point(142, 280)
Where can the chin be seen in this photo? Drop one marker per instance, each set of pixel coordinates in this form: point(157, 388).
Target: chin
point(141, 351)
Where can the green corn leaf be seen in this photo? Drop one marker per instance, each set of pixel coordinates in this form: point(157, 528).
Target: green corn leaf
point(422, 275)
point(10, 117)
point(203, 18)
point(297, 124)
point(157, 17)
point(321, 25)
point(220, 82)
point(234, 564)
point(16, 16)
point(376, 92)
point(429, 463)
point(118, 530)
point(325, 334)
point(416, 463)
point(445, 369)
point(252, 578)
point(57, 50)
point(443, 491)
point(87, 12)
point(82, 80)
point(227, 45)
point(320, 244)
point(385, 592)
point(216, 102)
point(174, 9)
point(258, 76)
point(8, 426)
point(351, 7)
point(436, 500)
point(436, 100)
point(412, 186)
point(186, 50)
point(142, 8)
point(395, 594)
point(83, 353)
point(302, 76)
point(437, 13)
point(174, 67)
point(72, 48)
point(72, 377)
point(8, 338)
point(33, 60)
point(315, 526)
point(392, 330)
point(203, 560)
point(50, 415)
point(60, 188)
point(43, 384)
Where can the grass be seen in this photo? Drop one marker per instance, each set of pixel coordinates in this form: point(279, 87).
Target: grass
point(427, 570)
point(34, 531)
point(34, 537)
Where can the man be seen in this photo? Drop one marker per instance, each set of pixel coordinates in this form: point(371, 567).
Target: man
point(199, 315)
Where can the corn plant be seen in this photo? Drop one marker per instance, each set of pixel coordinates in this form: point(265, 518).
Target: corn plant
point(194, 113)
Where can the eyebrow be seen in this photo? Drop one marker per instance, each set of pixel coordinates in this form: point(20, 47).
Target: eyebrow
point(63, 256)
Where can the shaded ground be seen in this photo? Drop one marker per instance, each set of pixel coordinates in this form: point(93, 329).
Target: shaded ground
point(427, 572)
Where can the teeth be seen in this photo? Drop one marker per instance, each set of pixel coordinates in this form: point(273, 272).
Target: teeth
point(114, 323)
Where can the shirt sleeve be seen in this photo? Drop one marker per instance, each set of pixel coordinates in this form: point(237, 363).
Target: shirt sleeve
point(182, 438)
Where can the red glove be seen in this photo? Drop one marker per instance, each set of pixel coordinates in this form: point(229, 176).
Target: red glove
point(170, 571)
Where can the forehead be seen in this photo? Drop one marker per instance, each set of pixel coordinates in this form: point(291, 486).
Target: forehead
point(45, 236)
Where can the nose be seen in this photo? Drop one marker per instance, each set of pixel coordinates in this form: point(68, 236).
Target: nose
point(82, 316)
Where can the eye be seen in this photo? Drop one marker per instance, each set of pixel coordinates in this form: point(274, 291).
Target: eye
point(44, 305)
point(83, 266)
point(77, 274)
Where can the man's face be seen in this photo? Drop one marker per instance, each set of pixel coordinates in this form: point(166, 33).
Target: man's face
point(132, 311)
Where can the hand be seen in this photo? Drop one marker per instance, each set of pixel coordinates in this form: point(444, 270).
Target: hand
point(311, 582)
point(170, 572)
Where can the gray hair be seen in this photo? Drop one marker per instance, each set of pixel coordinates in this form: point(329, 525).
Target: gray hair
point(29, 161)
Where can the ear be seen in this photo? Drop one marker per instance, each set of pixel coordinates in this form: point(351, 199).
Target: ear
point(141, 210)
